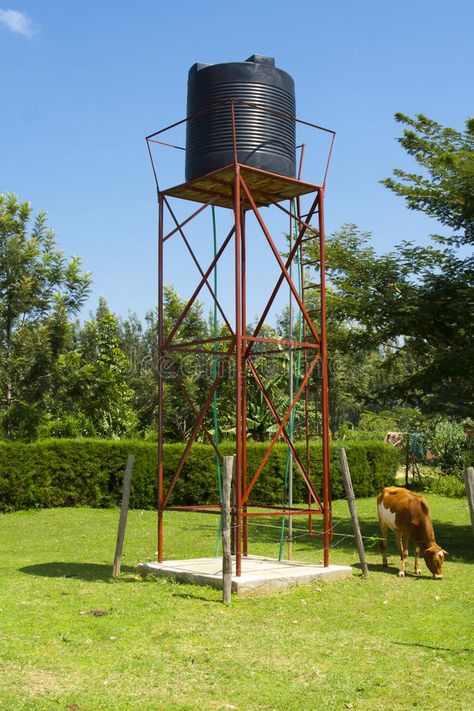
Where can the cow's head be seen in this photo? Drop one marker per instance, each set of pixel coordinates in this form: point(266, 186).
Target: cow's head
point(434, 559)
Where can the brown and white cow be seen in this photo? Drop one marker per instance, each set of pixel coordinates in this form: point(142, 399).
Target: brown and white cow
point(408, 516)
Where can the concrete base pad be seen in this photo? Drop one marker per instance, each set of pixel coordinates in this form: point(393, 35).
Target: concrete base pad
point(259, 575)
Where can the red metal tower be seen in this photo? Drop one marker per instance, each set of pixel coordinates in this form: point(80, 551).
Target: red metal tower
point(244, 189)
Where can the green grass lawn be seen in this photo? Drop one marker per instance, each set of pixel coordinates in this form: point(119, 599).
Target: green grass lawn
point(381, 643)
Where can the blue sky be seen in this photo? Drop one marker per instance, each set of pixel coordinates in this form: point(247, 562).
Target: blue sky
point(83, 82)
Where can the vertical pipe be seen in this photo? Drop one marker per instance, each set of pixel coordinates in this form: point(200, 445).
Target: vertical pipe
point(214, 375)
point(305, 359)
point(244, 381)
point(160, 378)
point(291, 395)
point(324, 382)
point(238, 355)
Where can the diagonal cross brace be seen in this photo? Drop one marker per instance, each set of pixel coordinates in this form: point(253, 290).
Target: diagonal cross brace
point(194, 258)
point(193, 407)
point(281, 264)
point(287, 439)
point(198, 288)
point(188, 219)
point(281, 277)
point(196, 427)
point(280, 429)
point(299, 220)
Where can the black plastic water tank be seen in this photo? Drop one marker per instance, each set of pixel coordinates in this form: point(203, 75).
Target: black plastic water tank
point(264, 140)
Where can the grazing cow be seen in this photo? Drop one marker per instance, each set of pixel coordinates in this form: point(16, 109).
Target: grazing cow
point(408, 516)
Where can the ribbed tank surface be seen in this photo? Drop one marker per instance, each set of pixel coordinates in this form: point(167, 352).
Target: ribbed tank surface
point(264, 140)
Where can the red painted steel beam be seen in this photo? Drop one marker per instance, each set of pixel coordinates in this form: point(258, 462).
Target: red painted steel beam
point(278, 351)
point(150, 154)
point(214, 509)
point(278, 508)
point(287, 512)
point(238, 362)
point(168, 145)
point(200, 342)
point(324, 386)
point(300, 344)
point(245, 533)
point(160, 379)
point(298, 220)
point(328, 161)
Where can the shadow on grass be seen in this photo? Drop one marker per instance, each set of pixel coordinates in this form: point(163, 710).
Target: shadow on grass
point(451, 650)
point(82, 571)
point(189, 596)
point(393, 569)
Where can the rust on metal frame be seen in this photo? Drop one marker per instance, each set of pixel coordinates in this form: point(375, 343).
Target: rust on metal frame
point(242, 188)
point(267, 188)
point(300, 344)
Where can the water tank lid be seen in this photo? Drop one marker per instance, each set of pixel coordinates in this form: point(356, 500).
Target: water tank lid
point(198, 66)
point(261, 59)
point(255, 59)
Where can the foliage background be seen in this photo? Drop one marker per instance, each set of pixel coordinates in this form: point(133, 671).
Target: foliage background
point(89, 472)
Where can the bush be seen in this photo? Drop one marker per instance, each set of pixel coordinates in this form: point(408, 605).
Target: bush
point(67, 426)
point(446, 485)
point(89, 472)
point(448, 441)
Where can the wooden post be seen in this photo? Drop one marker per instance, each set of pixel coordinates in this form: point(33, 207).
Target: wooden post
point(346, 475)
point(469, 485)
point(232, 512)
point(229, 465)
point(127, 480)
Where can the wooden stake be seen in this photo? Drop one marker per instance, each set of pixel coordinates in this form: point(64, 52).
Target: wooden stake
point(127, 480)
point(232, 512)
point(469, 485)
point(229, 464)
point(346, 475)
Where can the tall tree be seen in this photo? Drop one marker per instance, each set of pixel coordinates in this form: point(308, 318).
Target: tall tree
point(39, 290)
point(441, 318)
point(91, 380)
point(412, 309)
point(445, 188)
point(401, 324)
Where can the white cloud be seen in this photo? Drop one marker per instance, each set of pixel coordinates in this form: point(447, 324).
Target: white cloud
point(17, 21)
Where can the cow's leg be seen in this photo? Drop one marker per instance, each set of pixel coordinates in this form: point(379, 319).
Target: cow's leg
point(402, 543)
point(417, 565)
point(383, 543)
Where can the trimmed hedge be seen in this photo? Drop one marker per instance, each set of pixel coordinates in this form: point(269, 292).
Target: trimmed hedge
point(89, 472)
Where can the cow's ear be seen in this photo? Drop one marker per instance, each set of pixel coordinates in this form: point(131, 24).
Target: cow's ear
point(445, 552)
